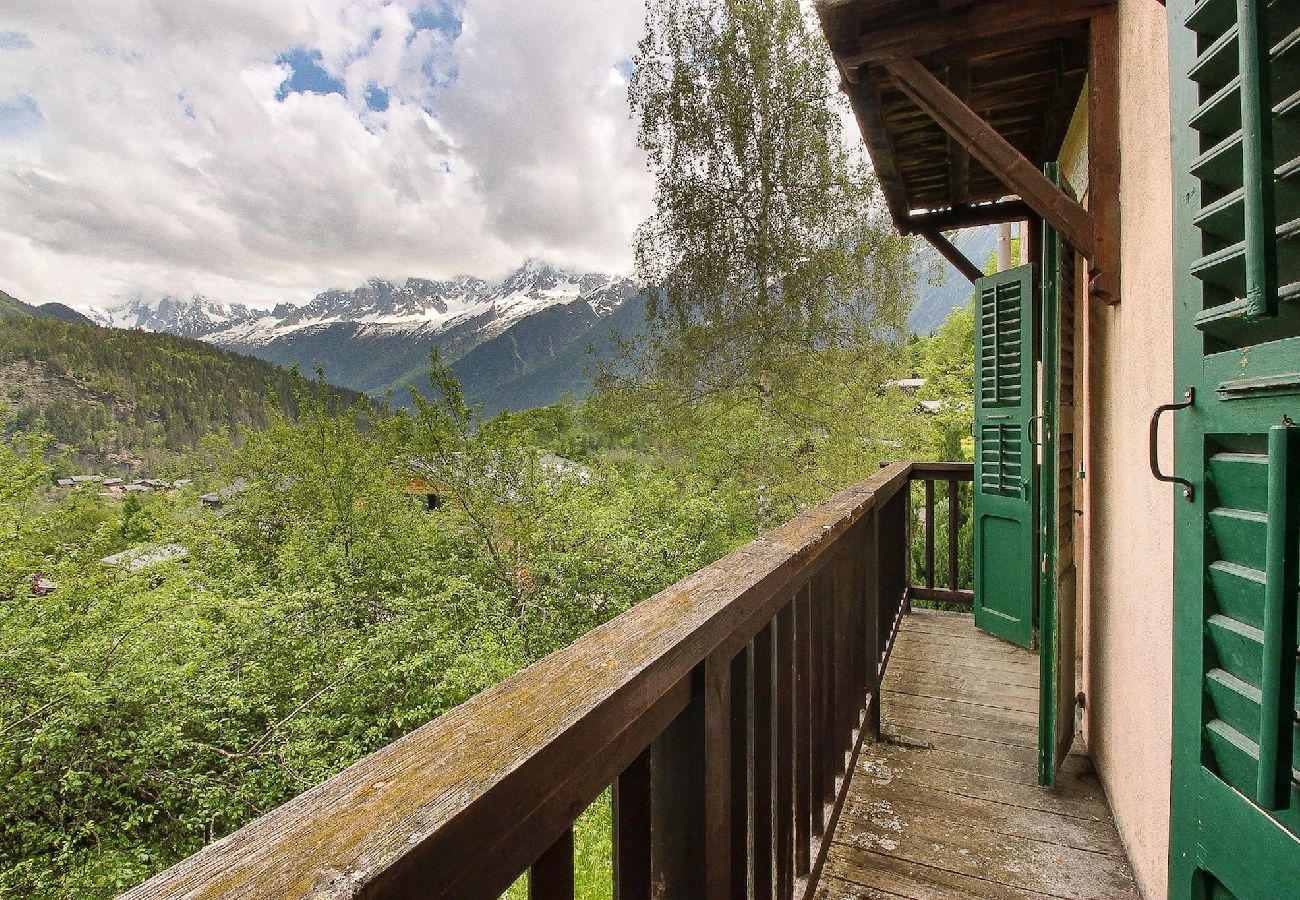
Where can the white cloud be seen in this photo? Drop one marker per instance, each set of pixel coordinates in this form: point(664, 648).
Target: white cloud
point(161, 160)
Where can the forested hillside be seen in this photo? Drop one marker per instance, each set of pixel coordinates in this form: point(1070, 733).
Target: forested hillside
point(127, 399)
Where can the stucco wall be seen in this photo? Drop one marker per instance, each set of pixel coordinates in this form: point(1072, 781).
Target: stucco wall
point(1127, 650)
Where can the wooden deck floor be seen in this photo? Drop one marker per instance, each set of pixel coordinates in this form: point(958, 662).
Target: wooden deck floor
point(948, 805)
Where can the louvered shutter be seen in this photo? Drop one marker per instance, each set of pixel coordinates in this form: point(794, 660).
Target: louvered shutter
point(1056, 592)
point(1236, 798)
point(1004, 471)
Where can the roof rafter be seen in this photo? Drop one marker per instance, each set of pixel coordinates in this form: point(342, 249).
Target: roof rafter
point(994, 152)
point(996, 20)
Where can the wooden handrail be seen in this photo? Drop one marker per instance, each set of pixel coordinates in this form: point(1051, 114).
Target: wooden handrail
point(787, 636)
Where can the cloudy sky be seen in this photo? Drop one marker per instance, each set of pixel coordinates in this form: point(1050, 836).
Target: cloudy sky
point(263, 150)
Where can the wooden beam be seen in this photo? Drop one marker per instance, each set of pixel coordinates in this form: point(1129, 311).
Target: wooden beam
point(994, 152)
point(996, 21)
point(970, 216)
point(958, 259)
point(958, 158)
point(864, 97)
point(1104, 158)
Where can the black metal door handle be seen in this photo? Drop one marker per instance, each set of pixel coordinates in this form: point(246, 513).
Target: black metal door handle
point(1189, 395)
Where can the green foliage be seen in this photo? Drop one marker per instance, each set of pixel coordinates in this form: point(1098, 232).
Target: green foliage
point(783, 290)
point(131, 399)
point(320, 615)
point(765, 237)
point(946, 360)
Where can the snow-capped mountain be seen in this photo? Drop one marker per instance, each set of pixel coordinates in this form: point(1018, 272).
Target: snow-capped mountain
point(195, 317)
point(514, 343)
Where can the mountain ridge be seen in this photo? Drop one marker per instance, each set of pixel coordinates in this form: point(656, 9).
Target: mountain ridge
point(378, 338)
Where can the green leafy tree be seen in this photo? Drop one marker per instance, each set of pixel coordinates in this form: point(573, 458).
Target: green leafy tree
point(776, 280)
point(766, 237)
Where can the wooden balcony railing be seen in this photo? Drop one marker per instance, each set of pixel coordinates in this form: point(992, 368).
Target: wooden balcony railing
point(953, 474)
point(724, 711)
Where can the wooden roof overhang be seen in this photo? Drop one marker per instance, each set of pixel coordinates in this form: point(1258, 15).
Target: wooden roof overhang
point(961, 102)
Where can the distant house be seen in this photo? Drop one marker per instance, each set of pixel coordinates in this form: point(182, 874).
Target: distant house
point(911, 385)
point(217, 499)
point(112, 483)
point(64, 482)
point(138, 558)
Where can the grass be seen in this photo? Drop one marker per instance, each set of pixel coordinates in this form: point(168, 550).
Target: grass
point(593, 848)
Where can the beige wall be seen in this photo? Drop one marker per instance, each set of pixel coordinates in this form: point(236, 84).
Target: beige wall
point(1126, 578)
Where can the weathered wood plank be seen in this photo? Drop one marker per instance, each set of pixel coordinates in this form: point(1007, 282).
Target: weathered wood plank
point(1017, 769)
point(970, 706)
point(916, 880)
point(948, 806)
point(921, 804)
point(905, 714)
point(977, 852)
point(977, 748)
point(994, 679)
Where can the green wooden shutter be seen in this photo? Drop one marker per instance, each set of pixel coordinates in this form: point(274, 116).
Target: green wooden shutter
point(1236, 805)
point(1004, 457)
point(1056, 592)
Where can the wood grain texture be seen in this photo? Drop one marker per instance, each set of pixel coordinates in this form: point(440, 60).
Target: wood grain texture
point(947, 806)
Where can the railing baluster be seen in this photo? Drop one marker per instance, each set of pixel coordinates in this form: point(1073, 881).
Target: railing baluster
point(858, 638)
point(551, 877)
point(846, 700)
point(954, 532)
point(929, 534)
point(762, 771)
point(802, 724)
point(632, 831)
point(677, 801)
point(829, 739)
point(717, 777)
point(875, 618)
point(816, 700)
point(784, 816)
point(908, 526)
point(740, 761)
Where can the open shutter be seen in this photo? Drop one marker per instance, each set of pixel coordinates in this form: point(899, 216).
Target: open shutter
point(1056, 592)
point(1004, 459)
point(1235, 94)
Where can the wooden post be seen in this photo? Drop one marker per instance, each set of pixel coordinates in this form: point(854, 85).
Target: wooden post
point(802, 723)
point(677, 801)
point(741, 678)
point(954, 532)
point(929, 534)
point(871, 556)
point(631, 796)
point(1103, 158)
point(783, 844)
point(717, 777)
point(551, 877)
point(761, 774)
point(959, 260)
